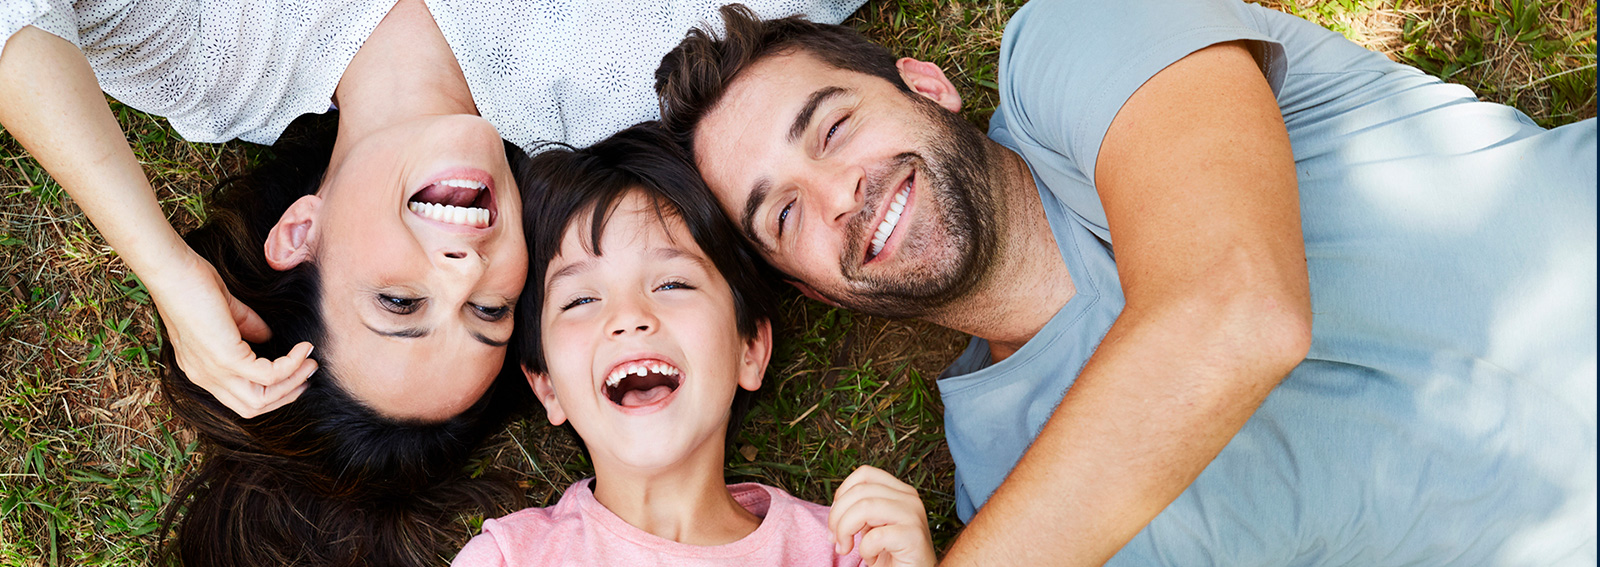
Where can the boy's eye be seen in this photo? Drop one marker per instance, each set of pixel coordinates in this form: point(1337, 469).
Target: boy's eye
point(399, 305)
point(674, 285)
point(579, 301)
point(491, 313)
point(783, 216)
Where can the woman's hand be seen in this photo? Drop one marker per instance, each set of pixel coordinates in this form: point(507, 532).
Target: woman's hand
point(50, 102)
point(889, 516)
point(208, 328)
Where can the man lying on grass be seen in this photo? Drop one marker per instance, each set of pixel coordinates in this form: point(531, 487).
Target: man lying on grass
point(1313, 307)
point(645, 322)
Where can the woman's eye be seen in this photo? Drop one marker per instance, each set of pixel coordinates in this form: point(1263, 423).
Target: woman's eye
point(674, 285)
point(492, 313)
point(579, 301)
point(783, 216)
point(399, 305)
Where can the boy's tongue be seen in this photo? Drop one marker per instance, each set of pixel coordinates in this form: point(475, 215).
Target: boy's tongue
point(635, 398)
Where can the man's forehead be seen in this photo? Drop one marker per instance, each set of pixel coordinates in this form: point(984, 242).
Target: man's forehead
point(755, 115)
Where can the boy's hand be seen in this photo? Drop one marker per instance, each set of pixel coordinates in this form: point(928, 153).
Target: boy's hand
point(889, 516)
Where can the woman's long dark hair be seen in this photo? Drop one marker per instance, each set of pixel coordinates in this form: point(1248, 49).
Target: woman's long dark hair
point(324, 480)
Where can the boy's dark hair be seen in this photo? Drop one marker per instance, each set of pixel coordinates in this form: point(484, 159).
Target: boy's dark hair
point(694, 76)
point(560, 186)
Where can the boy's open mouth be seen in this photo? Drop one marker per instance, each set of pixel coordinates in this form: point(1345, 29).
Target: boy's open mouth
point(642, 382)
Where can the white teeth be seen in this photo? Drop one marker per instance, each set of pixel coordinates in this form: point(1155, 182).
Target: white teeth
point(640, 368)
point(467, 216)
point(463, 184)
point(890, 220)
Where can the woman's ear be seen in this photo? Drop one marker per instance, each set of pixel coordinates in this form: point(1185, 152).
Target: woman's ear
point(289, 242)
point(757, 351)
point(928, 80)
point(546, 393)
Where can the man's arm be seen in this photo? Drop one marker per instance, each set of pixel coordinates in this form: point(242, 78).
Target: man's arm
point(51, 103)
point(1197, 179)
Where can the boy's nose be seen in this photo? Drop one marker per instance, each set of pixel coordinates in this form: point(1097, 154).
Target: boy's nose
point(640, 328)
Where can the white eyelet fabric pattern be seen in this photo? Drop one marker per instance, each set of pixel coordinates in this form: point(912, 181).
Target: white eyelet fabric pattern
point(570, 71)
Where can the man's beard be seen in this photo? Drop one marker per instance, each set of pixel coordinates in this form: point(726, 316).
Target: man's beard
point(957, 177)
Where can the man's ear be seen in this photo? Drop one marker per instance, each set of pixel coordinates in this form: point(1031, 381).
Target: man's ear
point(928, 80)
point(289, 242)
point(757, 351)
point(546, 392)
point(812, 293)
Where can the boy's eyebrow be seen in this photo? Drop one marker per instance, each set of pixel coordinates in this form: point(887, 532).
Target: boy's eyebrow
point(570, 270)
point(672, 253)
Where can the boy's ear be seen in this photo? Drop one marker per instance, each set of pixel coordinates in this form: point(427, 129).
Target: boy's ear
point(546, 393)
point(811, 293)
point(289, 242)
point(928, 80)
point(757, 351)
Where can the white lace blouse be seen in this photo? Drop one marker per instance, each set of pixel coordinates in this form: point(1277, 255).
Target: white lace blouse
point(572, 71)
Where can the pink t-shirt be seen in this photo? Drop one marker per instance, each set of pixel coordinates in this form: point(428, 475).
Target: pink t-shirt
point(578, 530)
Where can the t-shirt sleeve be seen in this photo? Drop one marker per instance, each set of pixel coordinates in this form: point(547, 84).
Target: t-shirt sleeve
point(1067, 66)
point(482, 551)
point(53, 16)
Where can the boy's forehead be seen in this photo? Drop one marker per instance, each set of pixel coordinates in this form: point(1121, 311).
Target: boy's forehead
point(635, 227)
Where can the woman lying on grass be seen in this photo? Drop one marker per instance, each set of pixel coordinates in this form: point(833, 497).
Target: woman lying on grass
point(648, 329)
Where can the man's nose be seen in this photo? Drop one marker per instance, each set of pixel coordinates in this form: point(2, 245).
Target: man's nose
point(841, 193)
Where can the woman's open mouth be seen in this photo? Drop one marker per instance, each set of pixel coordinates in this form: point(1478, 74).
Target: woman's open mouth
point(641, 383)
point(455, 201)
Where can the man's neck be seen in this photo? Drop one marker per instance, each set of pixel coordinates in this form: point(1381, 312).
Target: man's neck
point(687, 503)
point(1027, 282)
point(405, 69)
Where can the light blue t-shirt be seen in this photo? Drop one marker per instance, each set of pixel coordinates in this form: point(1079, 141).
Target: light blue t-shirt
point(1446, 411)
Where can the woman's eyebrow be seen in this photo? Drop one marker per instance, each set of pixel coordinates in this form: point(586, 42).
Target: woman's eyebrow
point(419, 332)
point(406, 333)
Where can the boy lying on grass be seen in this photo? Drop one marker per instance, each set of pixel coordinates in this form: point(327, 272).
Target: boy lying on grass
point(646, 326)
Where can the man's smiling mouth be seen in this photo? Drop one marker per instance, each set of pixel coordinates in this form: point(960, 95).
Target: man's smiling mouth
point(891, 218)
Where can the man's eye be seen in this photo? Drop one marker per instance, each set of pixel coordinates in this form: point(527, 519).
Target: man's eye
point(783, 216)
point(834, 129)
point(675, 284)
point(399, 305)
point(579, 301)
point(492, 313)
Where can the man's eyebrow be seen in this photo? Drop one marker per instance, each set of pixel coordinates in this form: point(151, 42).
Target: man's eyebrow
point(407, 333)
point(752, 205)
point(803, 119)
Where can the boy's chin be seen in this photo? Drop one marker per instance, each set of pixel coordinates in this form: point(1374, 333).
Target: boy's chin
point(649, 454)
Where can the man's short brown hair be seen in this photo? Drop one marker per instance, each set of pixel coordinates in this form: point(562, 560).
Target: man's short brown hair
point(693, 76)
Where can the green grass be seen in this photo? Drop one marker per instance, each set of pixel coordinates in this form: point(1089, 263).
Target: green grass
point(89, 455)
